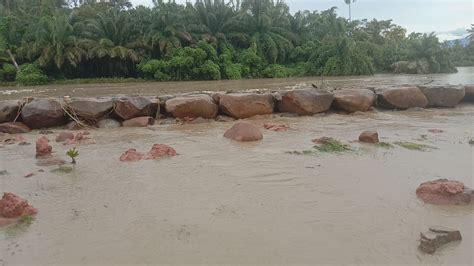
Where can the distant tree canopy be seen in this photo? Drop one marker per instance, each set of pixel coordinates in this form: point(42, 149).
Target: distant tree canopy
point(206, 39)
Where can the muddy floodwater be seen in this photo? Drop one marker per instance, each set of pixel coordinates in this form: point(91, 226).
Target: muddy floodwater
point(465, 75)
point(221, 201)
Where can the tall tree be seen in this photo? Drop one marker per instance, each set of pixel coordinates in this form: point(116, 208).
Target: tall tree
point(349, 2)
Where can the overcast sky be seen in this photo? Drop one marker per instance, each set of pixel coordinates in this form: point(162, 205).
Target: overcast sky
point(449, 18)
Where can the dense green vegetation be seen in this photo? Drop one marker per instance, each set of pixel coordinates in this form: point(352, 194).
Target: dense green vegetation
point(49, 40)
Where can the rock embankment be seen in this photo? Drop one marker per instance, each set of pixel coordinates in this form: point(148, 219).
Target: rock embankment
point(111, 112)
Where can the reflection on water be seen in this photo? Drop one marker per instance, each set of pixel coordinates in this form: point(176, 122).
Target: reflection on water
point(464, 76)
point(225, 202)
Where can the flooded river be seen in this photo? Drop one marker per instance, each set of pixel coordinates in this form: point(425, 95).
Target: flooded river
point(465, 75)
point(223, 202)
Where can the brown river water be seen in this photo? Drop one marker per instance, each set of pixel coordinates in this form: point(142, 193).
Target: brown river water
point(465, 75)
point(223, 202)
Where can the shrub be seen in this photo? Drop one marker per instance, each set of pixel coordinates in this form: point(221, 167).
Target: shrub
point(31, 74)
point(277, 71)
point(8, 72)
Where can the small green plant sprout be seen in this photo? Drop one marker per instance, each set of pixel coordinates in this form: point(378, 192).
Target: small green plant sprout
point(385, 145)
point(27, 219)
point(414, 146)
point(73, 153)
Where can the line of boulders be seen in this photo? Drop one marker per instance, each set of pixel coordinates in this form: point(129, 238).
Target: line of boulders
point(109, 112)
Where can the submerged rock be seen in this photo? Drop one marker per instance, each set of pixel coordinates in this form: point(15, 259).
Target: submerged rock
point(437, 237)
point(445, 192)
point(156, 152)
point(90, 108)
point(245, 105)
point(13, 207)
point(143, 121)
point(244, 131)
point(305, 101)
point(40, 113)
point(42, 147)
point(8, 110)
point(353, 100)
point(192, 106)
point(63, 136)
point(443, 95)
point(14, 128)
point(401, 98)
point(131, 107)
point(276, 127)
point(369, 136)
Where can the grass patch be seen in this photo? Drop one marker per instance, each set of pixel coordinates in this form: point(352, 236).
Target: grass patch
point(414, 146)
point(63, 169)
point(27, 219)
point(332, 145)
point(385, 145)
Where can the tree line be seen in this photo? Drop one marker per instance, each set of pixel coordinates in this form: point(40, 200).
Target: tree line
point(43, 40)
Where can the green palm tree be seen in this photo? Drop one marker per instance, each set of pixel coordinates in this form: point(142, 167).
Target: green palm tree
point(349, 2)
point(268, 23)
point(55, 43)
point(471, 33)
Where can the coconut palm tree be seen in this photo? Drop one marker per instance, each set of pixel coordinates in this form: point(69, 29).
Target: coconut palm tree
point(349, 2)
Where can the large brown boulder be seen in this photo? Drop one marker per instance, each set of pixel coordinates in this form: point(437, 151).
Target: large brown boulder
point(353, 100)
point(131, 107)
point(369, 136)
point(14, 128)
point(244, 131)
point(43, 112)
point(469, 96)
point(90, 108)
point(8, 110)
point(245, 105)
point(401, 97)
point(192, 106)
point(305, 101)
point(443, 95)
point(445, 192)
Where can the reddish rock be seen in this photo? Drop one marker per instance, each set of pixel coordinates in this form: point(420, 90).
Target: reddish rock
point(445, 192)
point(8, 110)
point(401, 98)
point(42, 147)
point(131, 155)
point(443, 95)
point(158, 151)
point(131, 107)
point(40, 113)
point(305, 101)
point(14, 128)
point(143, 121)
point(90, 108)
point(369, 136)
point(469, 96)
point(80, 138)
point(276, 127)
point(12, 206)
point(353, 100)
point(192, 106)
point(245, 105)
point(63, 136)
point(244, 131)
point(8, 139)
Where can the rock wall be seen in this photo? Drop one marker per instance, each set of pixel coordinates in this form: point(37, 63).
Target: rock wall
point(23, 115)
